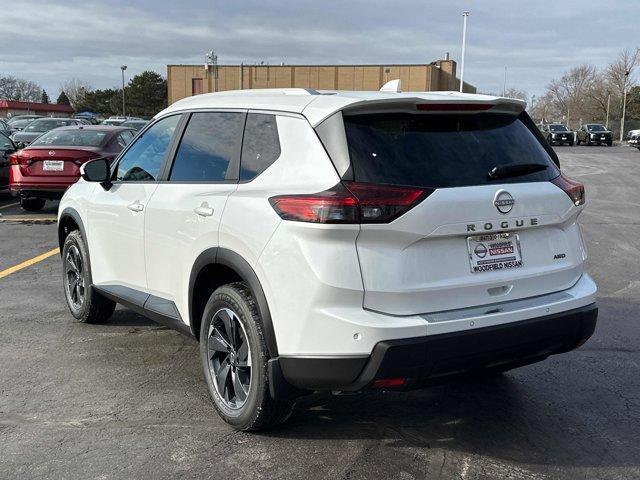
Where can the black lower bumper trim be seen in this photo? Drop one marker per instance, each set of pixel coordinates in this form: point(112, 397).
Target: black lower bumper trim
point(429, 359)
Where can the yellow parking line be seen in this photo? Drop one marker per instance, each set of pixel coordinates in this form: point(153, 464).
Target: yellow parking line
point(28, 263)
point(8, 206)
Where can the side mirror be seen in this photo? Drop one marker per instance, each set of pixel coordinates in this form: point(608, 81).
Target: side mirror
point(97, 171)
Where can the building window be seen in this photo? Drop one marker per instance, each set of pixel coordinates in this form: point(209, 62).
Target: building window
point(196, 86)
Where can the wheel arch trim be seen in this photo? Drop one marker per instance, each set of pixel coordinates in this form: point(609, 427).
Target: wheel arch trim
point(233, 260)
point(70, 212)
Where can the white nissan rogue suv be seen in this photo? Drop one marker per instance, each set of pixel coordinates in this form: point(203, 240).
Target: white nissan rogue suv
point(335, 241)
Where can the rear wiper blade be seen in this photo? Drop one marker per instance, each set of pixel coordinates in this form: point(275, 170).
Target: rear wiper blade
point(508, 171)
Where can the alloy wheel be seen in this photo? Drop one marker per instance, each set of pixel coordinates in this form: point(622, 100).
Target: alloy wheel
point(229, 358)
point(74, 270)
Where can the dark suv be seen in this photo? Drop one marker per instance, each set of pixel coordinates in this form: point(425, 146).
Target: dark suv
point(594, 134)
point(557, 134)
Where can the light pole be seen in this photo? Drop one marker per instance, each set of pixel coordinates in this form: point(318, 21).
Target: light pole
point(504, 85)
point(123, 68)
point(464, 44)
point(608, 104)
point(624, 105)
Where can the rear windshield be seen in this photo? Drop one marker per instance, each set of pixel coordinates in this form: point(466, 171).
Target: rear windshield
point(596, 128)
point(67, 138)
point(439, 151)
point(557, 128)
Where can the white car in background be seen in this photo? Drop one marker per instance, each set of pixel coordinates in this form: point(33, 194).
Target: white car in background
point(633, 138)
point(335, 241)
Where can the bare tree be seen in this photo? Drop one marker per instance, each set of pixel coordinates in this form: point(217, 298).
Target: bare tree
point(75, 89)
point(570, 93)
point(516, 93)
point(619, 74)
point(14, 88)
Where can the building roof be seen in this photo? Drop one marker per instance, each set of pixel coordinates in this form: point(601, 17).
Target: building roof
point(36, 107)
point(319, 105)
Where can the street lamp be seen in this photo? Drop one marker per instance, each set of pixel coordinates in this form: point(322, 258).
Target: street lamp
point(464, 44)
point(123, 68)
point(624, 105)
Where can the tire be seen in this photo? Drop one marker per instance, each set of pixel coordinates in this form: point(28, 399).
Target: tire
point(236, 376)
point(578, 142)
point(571, 144)
point(609, 144)
point(32, 204)
point(84, 302)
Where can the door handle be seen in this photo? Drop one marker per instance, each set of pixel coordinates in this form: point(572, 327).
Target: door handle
point(204, 210)
point(135, 207)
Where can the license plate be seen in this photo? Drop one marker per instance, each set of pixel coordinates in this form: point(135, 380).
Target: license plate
point(53, 165)
point(564, 138)
point(603, 138)
point(500, 251)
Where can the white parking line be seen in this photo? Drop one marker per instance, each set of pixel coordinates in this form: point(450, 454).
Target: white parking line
point(9, 206)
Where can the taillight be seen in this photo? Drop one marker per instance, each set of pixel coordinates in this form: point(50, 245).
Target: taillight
point(336, 205)
point(13, 159)
point(575, 190)
point(350, 202)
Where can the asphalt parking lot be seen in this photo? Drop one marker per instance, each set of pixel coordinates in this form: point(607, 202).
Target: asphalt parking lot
point(128, 399)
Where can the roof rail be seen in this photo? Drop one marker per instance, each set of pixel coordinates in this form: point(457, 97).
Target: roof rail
point(272, 91)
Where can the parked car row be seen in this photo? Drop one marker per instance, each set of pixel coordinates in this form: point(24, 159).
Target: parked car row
point(51, 162)
point(118, 120)
point(588, 134)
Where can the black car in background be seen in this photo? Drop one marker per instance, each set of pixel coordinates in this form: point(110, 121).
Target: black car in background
point(38, 127)
point(7, 147)
point(594, 134)
point(5, 128)
point(18, 123)
point(558, 134)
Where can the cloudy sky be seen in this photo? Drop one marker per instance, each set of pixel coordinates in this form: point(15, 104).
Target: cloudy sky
point(50, 41)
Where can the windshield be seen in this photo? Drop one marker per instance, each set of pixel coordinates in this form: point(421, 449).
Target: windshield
point(14, 120)
point(442, 150)
point(46, 125)
point(596, 128)
point(558, 128)
point(21, 123)
point(76, 138)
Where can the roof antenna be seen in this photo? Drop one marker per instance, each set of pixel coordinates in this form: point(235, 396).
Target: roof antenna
point(394, 86)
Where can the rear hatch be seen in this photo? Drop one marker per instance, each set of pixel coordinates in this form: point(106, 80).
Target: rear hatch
point(478, 237)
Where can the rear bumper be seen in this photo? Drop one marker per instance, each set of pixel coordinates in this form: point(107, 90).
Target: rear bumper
point(42, 192)
point(50, 187)
point(433, 358)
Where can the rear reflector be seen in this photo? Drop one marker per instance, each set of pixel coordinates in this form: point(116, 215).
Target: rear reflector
point(389, 382)
point(454, 107)
point(575, 190)
point(349, 202)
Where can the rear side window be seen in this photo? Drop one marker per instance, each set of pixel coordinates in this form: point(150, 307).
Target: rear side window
point(208, 147)
point(440, 151)
point(260, 147)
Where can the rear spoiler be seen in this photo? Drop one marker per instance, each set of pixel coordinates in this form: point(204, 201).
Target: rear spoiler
point(417, 104)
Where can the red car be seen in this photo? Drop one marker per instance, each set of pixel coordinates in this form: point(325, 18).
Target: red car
point(43, 170)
